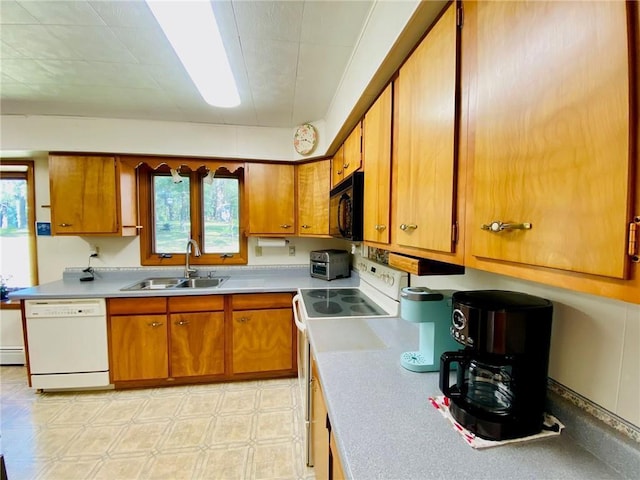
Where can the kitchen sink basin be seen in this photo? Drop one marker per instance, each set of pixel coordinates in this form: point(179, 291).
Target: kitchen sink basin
point(167, 283)
point(204, 282)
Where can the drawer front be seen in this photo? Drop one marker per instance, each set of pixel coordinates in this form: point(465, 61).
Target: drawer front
point(126, 306)
point(197, 303)
point(250, 301)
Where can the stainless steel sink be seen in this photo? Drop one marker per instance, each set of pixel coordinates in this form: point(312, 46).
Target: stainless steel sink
point(204, 282)
point(166, 283)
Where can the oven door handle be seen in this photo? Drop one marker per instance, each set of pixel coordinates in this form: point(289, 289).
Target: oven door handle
point(296, 305)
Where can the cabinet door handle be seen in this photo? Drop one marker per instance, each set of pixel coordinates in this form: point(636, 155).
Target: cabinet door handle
point(345, 166)
point(243, 319)
point(285, 225)
point(306, 226)
point(498, 226)
point(380, 227)
point(65, 224)
point(182, 322)
point(155, 324)
point(408, 226)
point(339, 172)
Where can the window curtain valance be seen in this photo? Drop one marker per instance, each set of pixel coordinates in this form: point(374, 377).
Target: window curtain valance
point(180, 164)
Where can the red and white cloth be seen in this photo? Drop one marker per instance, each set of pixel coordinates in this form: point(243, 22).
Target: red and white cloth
point(441, 403)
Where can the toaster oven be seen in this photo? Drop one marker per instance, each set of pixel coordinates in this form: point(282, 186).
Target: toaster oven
point(330, 264)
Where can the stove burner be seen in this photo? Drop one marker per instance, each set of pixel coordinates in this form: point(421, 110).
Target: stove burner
point(353, 299)
point(366, 309)
point(322, 293)
point(348, 292)
point(327, 307)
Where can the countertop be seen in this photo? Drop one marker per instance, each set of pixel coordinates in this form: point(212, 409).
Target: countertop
point(387, 429)
point(109, 282)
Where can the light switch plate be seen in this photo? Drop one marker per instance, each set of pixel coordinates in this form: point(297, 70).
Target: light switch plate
point(292, 251)
point(258, 251)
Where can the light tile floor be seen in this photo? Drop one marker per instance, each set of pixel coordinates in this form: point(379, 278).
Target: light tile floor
point(242, 430)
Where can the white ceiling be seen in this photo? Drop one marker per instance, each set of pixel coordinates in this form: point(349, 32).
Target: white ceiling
point(110, 59)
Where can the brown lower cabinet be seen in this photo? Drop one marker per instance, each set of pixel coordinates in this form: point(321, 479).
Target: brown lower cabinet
point(326, 459)
point(188, 339)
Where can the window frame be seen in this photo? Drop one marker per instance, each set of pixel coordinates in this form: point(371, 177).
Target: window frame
point(29, 176)
point(196, 194)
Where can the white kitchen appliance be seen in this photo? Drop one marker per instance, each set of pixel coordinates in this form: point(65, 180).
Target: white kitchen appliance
point(67, 343)
point(377, 295)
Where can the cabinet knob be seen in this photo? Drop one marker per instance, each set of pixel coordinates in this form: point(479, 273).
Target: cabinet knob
point(285, 225)
point(345, 166)
point(306, 226)
point(339, 172)
point(380, 227)
point(243, 319)
point(498, 226)
point(65, 224)
point(408, 226)
point(155, 324)
point(182, 322)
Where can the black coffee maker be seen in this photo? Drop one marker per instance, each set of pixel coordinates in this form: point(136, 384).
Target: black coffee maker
point(501, 384)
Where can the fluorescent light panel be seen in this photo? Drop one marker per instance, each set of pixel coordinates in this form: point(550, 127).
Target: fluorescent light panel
point(193, 32)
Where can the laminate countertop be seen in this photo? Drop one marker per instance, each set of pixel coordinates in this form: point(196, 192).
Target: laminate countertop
point(386, 428)
point(109, 283)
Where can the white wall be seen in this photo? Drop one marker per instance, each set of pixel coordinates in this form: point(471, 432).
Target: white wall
point(595, 344)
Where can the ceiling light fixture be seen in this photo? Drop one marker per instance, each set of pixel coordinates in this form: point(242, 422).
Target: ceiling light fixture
point(193, 32)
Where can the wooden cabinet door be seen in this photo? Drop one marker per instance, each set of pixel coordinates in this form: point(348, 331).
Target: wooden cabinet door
point(319, 432)
point(271, 198)
point(352, 160)
point(83, 195)
point(377, 159)
point(263, 340)
point(314, 183)
point(424, 214)
point(550, 117)
point(197, 344)
point(139, 348)
point(337, 167)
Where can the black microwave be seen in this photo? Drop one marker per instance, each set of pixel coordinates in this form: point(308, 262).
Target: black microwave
point(346, 208)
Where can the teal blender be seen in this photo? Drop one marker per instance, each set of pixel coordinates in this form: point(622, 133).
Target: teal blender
point(431, 310)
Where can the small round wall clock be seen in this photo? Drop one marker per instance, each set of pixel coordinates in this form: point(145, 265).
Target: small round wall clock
point(305, 139)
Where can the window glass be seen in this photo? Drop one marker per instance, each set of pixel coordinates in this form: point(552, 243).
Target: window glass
point(221, 216)
point(17, 260)
point(171, 214)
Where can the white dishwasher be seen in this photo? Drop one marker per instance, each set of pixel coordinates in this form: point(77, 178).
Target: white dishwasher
point(67, 343)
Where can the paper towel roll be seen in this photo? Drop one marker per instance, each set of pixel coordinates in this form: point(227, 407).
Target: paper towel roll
point(272, 242)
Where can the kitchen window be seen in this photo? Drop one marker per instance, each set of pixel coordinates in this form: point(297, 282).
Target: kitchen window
point(177, 204)
point(18, 267)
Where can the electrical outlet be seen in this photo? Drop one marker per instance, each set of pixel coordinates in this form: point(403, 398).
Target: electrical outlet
point(292, 250)
point(94, 250)
point(258, 251)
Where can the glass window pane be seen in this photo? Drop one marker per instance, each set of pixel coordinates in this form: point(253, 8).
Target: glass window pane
point(221, 216)
point(15, 267)
point(171, 214)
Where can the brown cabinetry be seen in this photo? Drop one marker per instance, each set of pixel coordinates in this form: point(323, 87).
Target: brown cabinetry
point(271, 198)
point(377, 159)
point(549, 131)
point(348, 158)
point(425, 157)
point(138, 339)
point(92, 195)
point(263, 333)
point(314, 184)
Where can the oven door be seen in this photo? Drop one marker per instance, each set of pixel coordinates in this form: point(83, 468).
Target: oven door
point(304, 375)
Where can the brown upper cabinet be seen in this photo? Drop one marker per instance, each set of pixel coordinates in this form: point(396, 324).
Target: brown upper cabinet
point(549, 130)
point(425, 160)
point(376, 152)
point(314, 183)
point(271, 197)
point(92, 195)
point(348, 158)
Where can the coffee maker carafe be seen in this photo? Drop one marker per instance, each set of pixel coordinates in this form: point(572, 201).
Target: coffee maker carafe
point(501, 379)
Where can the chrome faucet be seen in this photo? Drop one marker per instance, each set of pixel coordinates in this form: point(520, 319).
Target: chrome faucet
point(188, 271)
